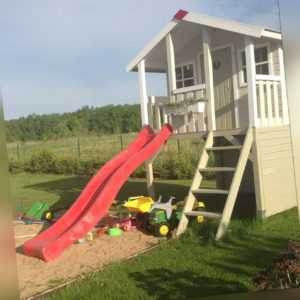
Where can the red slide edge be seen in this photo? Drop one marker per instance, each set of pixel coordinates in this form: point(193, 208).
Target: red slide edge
point(93, 186)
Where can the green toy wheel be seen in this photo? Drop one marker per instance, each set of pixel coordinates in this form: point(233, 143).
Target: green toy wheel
point(162, 230)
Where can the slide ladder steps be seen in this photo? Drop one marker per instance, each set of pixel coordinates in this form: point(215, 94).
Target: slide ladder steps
point(217, 169)
point(207, 214)
point(224, 148)
point(211, 191)
point(231, 194)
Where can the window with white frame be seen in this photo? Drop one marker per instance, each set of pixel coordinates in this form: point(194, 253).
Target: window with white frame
point(185, 75)
point(261, 61)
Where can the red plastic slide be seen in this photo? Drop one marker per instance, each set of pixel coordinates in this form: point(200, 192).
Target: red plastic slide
point(91, 190)
point(50, 246)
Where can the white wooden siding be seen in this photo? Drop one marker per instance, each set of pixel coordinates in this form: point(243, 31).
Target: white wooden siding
point(275, 165)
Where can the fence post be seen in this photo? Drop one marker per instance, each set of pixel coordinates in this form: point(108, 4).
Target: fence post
point(24, 150)
point(18, 151)
point(121, 142)
point(78, 148)
point(178, 146)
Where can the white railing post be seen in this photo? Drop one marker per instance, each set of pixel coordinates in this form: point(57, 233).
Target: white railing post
point(209, 79)
point(285, 111)
point(157, 117)
point(143, 93)
point(276, 103)
point(269, 103)
point(151, 102)
point(251, 79)
point(171, 65)
point(236, 94)
point(261, 88)
point(145, 121)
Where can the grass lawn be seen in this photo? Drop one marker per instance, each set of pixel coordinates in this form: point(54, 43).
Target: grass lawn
point(29, 188)
point(191, 267)
point(61, 190)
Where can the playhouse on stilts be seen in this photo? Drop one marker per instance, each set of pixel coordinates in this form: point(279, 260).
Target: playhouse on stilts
point(226, 84)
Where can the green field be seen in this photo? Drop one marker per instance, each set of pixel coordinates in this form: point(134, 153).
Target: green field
point(88, 147)
point(191, 267)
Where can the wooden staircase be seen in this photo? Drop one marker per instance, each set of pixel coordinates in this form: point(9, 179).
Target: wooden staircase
point(238, 171)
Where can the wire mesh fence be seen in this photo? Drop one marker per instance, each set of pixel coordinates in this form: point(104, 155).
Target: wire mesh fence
point(94, 147)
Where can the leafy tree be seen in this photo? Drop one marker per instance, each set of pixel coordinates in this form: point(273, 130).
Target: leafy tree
point(108, 119)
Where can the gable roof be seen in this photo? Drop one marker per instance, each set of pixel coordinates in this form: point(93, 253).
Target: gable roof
point(209, 21)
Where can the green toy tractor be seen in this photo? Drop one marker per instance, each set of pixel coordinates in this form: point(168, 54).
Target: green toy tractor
point(160, 218)
point(163, 217)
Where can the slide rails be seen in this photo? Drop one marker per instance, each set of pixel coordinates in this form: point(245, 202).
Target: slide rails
point(91, 190)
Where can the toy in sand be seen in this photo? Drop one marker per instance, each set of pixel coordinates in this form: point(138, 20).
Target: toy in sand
point(139, 204)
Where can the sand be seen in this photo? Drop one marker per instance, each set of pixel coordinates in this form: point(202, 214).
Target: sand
point(36, 276)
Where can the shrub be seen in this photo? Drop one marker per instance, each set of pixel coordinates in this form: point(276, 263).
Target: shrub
point(67, 166)
point(42, 162)
point(168, 165)
point(16, 167)
point(89, 167)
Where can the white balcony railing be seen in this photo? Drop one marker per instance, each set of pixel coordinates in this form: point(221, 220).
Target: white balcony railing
point(271, 101)
point(184, 110)
point(189, 95)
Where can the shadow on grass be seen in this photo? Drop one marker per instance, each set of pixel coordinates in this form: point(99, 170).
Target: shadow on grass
point(249, 255)
point(167, 284)
point(68, 189)
point(227, 268)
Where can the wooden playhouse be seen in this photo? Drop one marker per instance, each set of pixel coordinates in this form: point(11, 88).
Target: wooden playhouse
point(226, 84)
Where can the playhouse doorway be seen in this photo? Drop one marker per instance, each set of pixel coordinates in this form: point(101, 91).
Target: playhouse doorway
point(223, 83)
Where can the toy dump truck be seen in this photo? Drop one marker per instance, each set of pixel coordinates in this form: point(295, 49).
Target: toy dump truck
point(157, 217)
point(139, 204)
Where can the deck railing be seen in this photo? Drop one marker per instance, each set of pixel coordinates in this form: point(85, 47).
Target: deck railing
point(271, 101)
point(195, 93)
point(184, 102)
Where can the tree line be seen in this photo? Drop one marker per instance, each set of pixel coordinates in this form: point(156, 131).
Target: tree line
point(110, 119)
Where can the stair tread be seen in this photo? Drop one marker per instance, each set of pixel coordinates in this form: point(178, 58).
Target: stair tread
point(207, 214)
point(211, 191)
point(221, 148)
point(217, 169)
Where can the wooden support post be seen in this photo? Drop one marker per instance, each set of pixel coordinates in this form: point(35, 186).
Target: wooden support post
point(165, 116)
point(121, 142)
point(157, 117)
point(143, 93)
point(150, 179)
point(186, 123)
point(171, 66)
point(193, 122)
point(145, 121)
point(150, 110)
point(251, 79)
point(209, 79)
point(285, 110)
point(236, 94)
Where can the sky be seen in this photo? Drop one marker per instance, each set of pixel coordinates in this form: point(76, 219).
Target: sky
point(59, 55)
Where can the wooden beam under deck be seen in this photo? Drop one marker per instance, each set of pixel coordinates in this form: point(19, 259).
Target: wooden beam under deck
point(203, 134)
